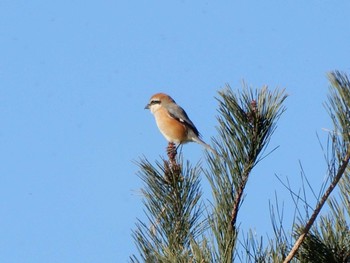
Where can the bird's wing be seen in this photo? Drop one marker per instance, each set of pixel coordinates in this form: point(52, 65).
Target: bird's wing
point(179, 114)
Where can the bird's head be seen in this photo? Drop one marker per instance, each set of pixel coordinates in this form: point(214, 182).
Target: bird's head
point(157, 101)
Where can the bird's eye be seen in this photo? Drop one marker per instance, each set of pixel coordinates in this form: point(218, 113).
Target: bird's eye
point(155, 102)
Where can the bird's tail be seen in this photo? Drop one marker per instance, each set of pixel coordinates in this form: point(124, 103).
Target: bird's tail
point(207, 146)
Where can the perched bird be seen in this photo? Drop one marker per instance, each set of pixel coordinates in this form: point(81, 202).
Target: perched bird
point(173, 121)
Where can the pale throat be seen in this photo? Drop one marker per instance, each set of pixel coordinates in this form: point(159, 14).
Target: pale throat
point(154, 108)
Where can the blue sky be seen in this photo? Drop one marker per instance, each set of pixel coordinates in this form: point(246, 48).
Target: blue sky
point(75, 77)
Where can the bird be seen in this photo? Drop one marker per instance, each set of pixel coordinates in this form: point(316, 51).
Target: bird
point(173, 122)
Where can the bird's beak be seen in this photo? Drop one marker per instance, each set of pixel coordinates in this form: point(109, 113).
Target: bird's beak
point(147, 107)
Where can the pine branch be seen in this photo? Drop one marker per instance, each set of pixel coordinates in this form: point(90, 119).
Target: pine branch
point(339, 110)
point(239, 195)
point(318, 208)
point(329, 240)
point(172, 197)
point(247, 121)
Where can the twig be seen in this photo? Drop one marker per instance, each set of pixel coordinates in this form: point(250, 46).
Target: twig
point(318, 208)
point(236, 204)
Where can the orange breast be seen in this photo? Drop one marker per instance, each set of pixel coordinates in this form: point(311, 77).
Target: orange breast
point(172, 129)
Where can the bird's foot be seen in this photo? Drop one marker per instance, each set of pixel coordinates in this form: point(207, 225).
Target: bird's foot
point(171, 151)
point(172, 169)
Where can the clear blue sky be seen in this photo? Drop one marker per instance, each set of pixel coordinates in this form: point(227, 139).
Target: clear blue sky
point(75, 77)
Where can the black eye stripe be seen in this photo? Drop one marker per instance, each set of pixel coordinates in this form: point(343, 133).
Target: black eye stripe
point(155, 102)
